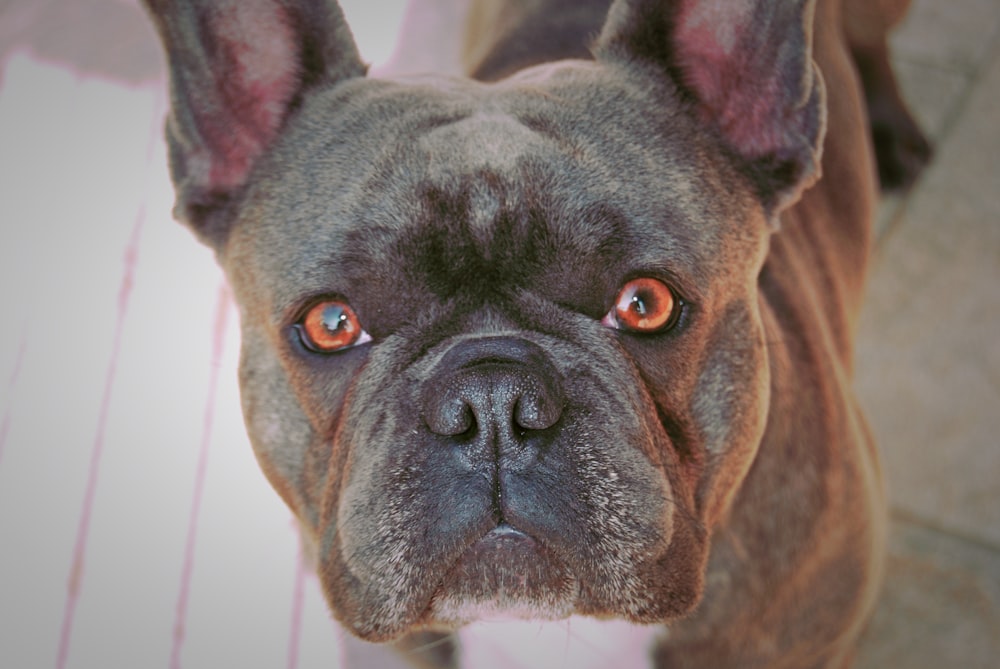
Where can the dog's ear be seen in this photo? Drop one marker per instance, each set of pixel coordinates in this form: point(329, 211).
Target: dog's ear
point(238, 68)
point(746, 66)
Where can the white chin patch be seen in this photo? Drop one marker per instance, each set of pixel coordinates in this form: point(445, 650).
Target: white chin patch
point(574, 643)
point(504, 574)
point(457, 610)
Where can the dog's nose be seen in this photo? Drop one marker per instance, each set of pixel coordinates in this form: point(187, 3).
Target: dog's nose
point(499, 388)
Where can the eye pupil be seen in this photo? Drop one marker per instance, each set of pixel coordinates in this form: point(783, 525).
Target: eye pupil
point(639, 305)
point(334, 318)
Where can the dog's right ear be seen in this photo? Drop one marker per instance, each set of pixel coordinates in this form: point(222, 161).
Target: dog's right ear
point(238, 68)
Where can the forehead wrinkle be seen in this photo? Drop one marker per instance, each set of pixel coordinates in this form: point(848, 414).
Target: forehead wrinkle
point(484, 139)
point(479, 188)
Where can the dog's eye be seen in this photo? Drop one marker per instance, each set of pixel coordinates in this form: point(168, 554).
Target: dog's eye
point(331, 326)
point(644, 305)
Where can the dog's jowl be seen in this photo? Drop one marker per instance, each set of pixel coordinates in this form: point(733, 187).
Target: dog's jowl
point(571, 336)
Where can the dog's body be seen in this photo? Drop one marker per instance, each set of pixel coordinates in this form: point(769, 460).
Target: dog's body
point(537, 347)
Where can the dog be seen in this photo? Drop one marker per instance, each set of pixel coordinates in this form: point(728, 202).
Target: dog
point(571, 336)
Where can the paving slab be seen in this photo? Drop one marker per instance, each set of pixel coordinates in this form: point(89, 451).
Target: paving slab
point(938, 52)
point(940, 607)
point(956, 34)
point(928, 350)
point(928, 367)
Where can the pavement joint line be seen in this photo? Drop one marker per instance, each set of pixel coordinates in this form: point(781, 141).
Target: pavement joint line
point(973, 75)
point(888, 212)
point(911, 58)
point(901, 515)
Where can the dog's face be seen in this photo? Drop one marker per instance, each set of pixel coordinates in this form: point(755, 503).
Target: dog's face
point(511, 431)
point(502, 349)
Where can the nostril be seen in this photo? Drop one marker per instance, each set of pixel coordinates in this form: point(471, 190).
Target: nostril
point(493, 390)
point(537, 410)
point(451, 417)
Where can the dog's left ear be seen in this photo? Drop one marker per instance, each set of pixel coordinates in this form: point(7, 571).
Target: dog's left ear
point(746, 65)
point(238, 68)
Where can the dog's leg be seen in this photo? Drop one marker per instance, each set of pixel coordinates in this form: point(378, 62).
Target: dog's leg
point(900, 146)
point(504, 36)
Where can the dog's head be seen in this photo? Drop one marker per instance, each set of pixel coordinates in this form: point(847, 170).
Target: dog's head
point(502, 348)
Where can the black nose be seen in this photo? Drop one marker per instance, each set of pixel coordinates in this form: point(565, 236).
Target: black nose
point(500, 389)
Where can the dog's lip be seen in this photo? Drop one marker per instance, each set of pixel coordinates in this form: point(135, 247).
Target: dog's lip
point(504, 532)
point(504, 571)
point(502, 539)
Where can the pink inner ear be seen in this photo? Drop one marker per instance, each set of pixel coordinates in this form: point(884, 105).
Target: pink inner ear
point(257, 73)
point(732, 71)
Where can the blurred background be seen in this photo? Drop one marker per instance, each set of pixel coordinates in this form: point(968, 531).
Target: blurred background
point(135, 527)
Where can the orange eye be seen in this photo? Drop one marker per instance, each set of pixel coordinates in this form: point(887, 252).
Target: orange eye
point(644, 305)
point(331, 326)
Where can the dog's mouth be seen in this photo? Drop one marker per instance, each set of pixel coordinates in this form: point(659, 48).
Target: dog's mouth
point(504, 574)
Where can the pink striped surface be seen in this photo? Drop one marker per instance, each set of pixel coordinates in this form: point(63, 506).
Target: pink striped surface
point(116, 497)
point(136, 529)
point(11, 385)
point(76, 573)
point(218, 345)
